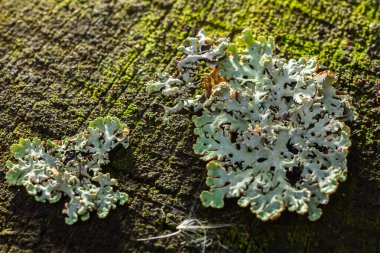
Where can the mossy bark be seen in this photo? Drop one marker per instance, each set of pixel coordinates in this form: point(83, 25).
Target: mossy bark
point(63, 63)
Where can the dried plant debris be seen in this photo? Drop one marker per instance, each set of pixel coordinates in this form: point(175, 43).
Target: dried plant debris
point(71, 167)
point(272, 130)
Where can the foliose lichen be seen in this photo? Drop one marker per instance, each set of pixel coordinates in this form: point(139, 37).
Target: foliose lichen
point(272, 130)
point(180, 88)
point(71, 167)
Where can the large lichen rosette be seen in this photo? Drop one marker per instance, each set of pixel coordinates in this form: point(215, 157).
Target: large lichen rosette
point(71, 167)
point(272, 130)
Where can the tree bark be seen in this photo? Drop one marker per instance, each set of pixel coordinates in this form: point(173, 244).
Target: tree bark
point(64, 63)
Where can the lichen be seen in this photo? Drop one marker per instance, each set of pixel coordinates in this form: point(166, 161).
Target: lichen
point(181, 87)
point(71, 167)
point(272, 130)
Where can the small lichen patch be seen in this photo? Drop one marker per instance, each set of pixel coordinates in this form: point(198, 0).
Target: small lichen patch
point(272, 129)
point(71, 167)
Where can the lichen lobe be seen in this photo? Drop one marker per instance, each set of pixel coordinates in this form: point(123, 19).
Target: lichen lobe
point(71, 167)
point(272, 130)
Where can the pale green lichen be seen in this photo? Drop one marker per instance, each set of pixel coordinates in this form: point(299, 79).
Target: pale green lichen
point(71, 167)
point(273, 130)
point(180, 88)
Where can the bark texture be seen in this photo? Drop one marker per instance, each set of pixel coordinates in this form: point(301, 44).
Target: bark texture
point(65, 62)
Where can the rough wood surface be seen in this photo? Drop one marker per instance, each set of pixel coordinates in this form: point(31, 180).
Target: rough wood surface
point(63, 63)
